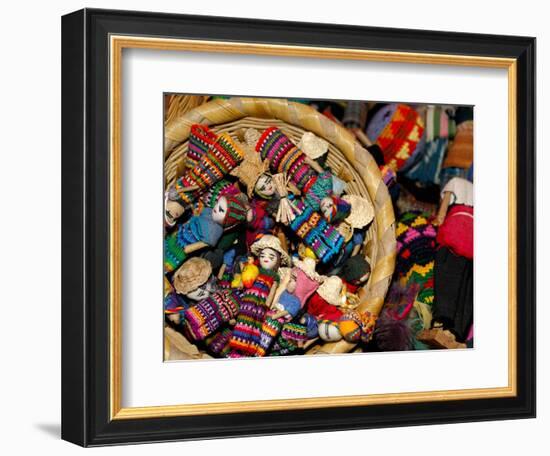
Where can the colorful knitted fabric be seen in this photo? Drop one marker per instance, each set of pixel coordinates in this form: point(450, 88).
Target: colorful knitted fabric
point(284, 157)
point(427, 168)
point(340, 210)
point(200, 140)
point(317, 189)
point(289, 341)
point(199, 228)
point(207, 316)
point(262, 222)
point(237, 207)
point(415, 241)
point(173, 302)
point(398, 130)
point(271, 328)
point(245, 340)
point(222, 157)
point(316, 232)
point(218, 344)
point(220, 188)
point(415, 262)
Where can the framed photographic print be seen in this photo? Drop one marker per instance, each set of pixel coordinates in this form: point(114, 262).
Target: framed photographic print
point(268, 227)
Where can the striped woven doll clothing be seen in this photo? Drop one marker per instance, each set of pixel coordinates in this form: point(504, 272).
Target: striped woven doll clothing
point(207, 316)
point(316, 232)
point(222, 156)
point(284, 157)
point(246, 337)
point(292, 337)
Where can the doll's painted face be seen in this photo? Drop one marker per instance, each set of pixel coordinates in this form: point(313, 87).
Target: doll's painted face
point(172, 211)
point(264, 186)
point(327, 206)
point(269, 258)
point(220, 210)
point(200, 293)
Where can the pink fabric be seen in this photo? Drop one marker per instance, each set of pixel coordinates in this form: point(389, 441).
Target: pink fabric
point(457, 231)
point(305, 286)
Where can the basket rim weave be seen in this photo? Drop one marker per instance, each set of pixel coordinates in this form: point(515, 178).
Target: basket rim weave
point(223, 111)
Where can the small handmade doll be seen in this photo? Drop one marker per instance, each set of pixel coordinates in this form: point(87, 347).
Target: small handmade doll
point(253, 172)
point(284, 157)
point(203, 230)
point(209, 315)
point(295, 288)
point(453, 268)
point(355, 272)
point(192, 279)
point(325, 305)
point(217, 158)
point(256, 300)
point(324, 239)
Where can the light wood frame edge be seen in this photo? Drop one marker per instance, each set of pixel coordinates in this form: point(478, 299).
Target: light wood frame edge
point(117, 44)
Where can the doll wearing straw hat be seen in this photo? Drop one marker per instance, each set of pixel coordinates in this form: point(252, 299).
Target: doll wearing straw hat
point(256, 300)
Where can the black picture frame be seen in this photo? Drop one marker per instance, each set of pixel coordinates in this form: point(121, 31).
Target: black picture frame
point(85, 227)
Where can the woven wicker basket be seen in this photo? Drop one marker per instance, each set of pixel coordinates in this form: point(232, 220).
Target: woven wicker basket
point(345, 154)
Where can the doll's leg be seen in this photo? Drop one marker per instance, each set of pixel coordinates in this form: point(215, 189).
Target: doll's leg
point(271, 328)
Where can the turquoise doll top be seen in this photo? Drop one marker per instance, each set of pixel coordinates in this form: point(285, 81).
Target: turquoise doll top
point(201, 228)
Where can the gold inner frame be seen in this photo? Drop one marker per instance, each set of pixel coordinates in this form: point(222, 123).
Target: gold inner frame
point(117, 44)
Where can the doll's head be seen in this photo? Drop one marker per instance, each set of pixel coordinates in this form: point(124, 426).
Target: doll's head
point(264, 186)
point(269, 258)
point(230, 210)
point(356, 270)
point(200, 293)
point(191, 279)
point(172, 211)
point(270, 252)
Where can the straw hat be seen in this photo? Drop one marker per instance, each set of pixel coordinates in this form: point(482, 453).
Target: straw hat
point(313, 146)
point(271, 242)
point(331, 290)
point(307, 265)
point(362, 211)
point(250, 169)
point(191, 275)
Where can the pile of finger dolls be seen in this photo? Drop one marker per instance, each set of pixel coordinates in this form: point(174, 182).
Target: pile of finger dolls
point(264, 242)
point(261, 250)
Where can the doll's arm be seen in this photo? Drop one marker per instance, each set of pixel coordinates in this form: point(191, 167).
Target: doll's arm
point(281, 313)
point(442, 213)
point(271, 295)
point(314, 165)
point(195, 246)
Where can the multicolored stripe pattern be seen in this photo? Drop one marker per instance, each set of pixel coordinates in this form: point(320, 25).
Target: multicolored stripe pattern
point(222, 156)
point(284, 157)
point(400, 137)
point(316, 232)
point(207, 316)
point(200, 140)
point(245, 340)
